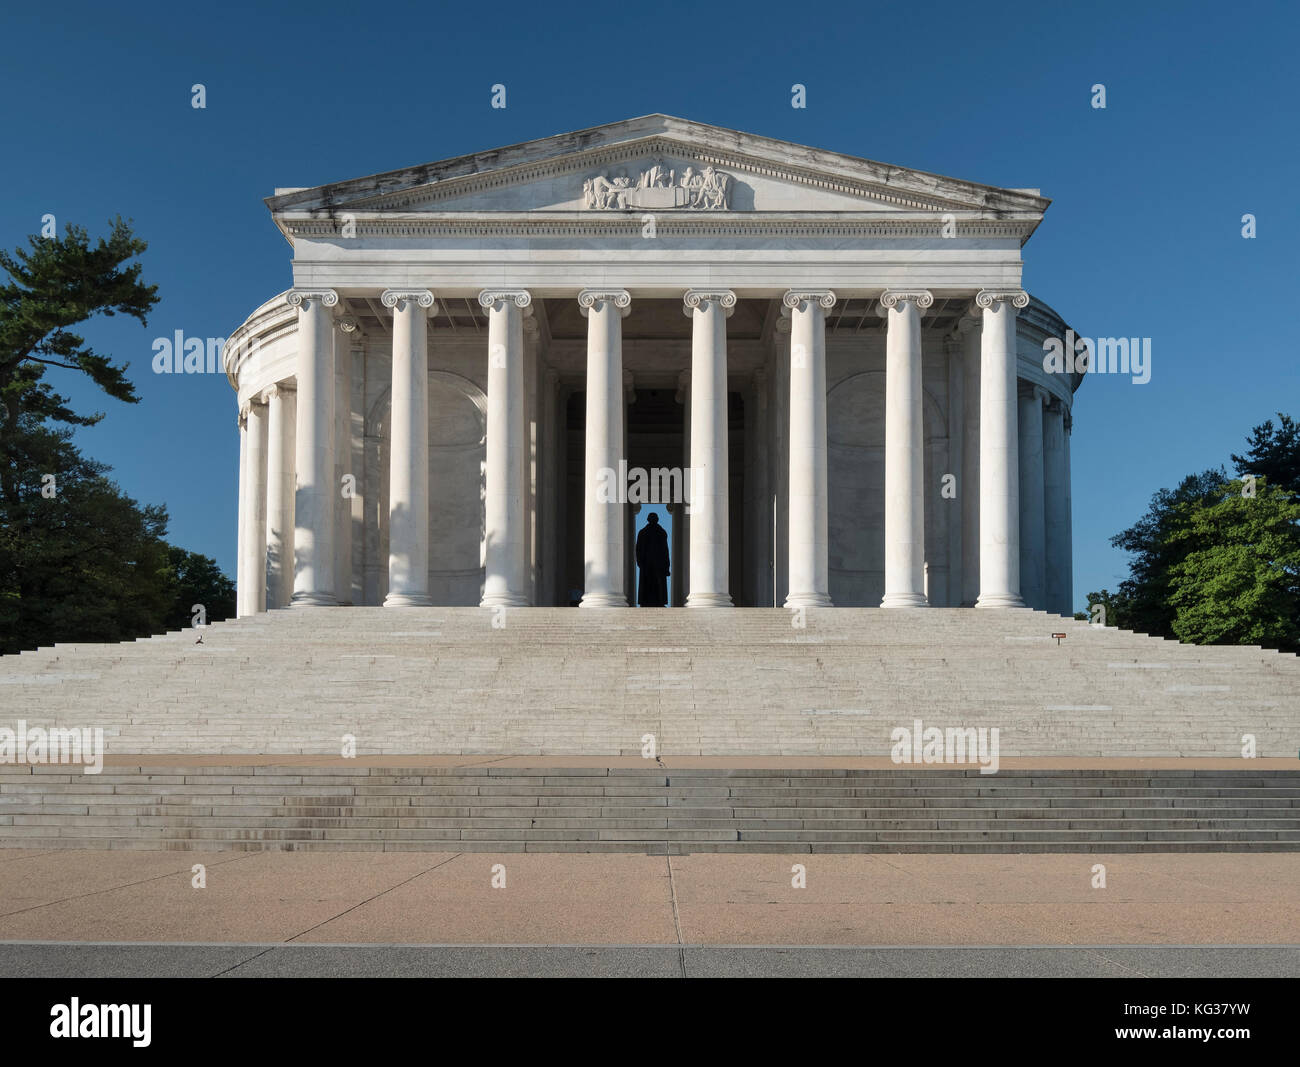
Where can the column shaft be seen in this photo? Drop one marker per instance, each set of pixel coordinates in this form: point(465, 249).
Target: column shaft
point(999, 463)
point(242, 520)
point(681, 556)
point(809, 575)
point(904, 452)
point(280, 495)
point(408, 477)
point(603, 541)
point(709, 546)
point(343, 340)
point(1055, 489)
point(506, 527)
point(313, 531)
point(968, 488)
point(1033, 542)
point(253, 517)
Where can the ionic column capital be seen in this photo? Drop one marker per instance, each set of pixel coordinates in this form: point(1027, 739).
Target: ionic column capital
point(620, 298)
point(347, 323)
point(278, 391)
point(693, 298)
point(968, 323)
point(298, 297)
point(521, 298)
point(390, 298)
point(986, 298)
point(794, 297)
point(1032, 391)
point(891, 298)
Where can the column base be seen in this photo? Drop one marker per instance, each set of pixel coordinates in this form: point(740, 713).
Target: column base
point(1000, 600)
point(313, 600)
point(504, 600)
point(603, 600)
point(408, 600)
point(904, 600)
point(709, 600)
point(808, 600)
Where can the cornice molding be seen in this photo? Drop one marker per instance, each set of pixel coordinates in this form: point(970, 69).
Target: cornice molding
point(564, 224)
point(649, 148)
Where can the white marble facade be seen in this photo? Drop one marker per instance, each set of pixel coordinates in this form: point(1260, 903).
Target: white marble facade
point(841, 352)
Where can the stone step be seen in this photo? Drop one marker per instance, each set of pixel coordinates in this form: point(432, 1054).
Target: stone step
point(652, 809)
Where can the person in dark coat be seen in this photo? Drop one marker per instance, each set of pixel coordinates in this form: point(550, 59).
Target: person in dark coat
point(652, 560)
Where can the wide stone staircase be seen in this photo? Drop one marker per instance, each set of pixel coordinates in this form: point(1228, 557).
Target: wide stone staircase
point(833, 681)
point(652, 809)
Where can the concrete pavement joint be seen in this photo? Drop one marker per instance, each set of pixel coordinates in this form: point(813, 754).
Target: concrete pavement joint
point(29, 855)
point(677, 922)
point(383, 892)
point(128, 885)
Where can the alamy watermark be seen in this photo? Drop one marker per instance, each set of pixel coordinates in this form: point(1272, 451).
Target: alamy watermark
point(1101, 355)
point(955, 744)
point(58, 744)
point(637, 485)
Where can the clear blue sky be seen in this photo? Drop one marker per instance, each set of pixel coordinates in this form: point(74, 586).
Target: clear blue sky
point(1143, 238)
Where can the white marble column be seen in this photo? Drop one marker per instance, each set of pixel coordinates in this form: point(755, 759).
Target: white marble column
point(345, 336)
point(761, 533)
point(603, 541)
point(708, 311)
point(313, 531)
point(550, 488)
point(999, 465)
point(809, 576)
point(241, 520)
point(281, 435)
point(1056, 525)
point(1068, 547)
point(968, 488)
point(904, 450)
point(506, 517)
point(631, 510)
point(408, 478)
point(1033, 540)
point(252, 516)
point(681, 553)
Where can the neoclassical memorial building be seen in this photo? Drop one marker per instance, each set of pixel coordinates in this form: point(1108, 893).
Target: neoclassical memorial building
point(486, 366)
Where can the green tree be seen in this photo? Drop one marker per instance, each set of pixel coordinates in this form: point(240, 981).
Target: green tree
point(79, 560)
point(197, 579)
point(1142, 601)
point(1115, 609)
point(1274, 454)
point(56, 284)
point(1237, 577)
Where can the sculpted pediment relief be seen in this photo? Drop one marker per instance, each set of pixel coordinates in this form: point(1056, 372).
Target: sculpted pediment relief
point(659, 187)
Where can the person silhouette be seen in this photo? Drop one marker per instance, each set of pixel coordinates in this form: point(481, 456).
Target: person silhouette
point(653, 562)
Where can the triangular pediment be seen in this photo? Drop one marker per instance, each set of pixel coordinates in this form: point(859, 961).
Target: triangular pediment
point(658, 163)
